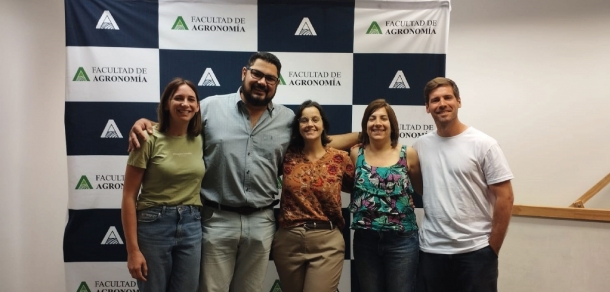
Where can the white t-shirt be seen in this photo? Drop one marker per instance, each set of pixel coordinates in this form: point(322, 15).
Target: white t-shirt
point(457, 203)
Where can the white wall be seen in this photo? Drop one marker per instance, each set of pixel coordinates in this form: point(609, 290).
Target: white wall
point(533, 74)
point(33, 172)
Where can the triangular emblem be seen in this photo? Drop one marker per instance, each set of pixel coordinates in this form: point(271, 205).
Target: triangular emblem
point(180, 24)
point(106, 21)
point(112, 236)
point(305, 28)
point(276, 287)
point(374, 28)
point(399, 81)
point(111, 130)
point(208, 78)
point(83, 287)
point(80, 75)
point(83, 184)
point(282, 82)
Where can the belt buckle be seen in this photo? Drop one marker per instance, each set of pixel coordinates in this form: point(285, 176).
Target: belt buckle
point(308, 226)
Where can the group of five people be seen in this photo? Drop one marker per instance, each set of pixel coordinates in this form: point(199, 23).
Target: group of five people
point(186, 231)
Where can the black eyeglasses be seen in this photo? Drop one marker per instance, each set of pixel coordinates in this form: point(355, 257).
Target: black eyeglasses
point(258, 75)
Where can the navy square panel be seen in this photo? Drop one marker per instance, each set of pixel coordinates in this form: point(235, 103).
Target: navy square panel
point(102, 128)
point(94, 235)
point(399, 78)
point(306, 26)
point(214, 72)
point(112, 23)
point(339, 117)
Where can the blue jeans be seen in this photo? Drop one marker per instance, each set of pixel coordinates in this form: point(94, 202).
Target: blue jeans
point(475, 271)
point(386, 261)
point(235, 250)
point(170, 240)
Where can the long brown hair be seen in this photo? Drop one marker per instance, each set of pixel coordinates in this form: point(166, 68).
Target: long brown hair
point(194, 127)
point(296, 140)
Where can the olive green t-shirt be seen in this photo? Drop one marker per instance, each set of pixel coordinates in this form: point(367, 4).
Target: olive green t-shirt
point(174, 170)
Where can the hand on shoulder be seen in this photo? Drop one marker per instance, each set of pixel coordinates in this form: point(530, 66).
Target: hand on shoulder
point(139, 131)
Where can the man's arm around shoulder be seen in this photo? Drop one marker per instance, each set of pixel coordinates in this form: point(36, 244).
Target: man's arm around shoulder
point(138, 131)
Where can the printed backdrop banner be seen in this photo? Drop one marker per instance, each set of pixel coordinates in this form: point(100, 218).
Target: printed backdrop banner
point(120, 55)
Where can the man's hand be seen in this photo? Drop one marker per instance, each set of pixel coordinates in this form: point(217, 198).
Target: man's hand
point(495, 247)
point(138, 132)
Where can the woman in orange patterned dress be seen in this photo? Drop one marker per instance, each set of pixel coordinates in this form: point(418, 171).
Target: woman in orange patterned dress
point(309, 249)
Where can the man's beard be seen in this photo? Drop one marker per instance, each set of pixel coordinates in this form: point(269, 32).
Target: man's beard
point(251, 100)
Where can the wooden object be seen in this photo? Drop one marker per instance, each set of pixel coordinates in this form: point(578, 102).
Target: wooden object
point(575, 211)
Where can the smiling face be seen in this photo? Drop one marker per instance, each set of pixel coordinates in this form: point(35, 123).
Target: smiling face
point(311, 125)
point(378, 126)
point(182, 105)
point(257, 91)
point(443, 105)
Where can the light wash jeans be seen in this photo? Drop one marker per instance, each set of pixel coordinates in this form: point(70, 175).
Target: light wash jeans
point(386, 261)
point(170, 240)
point(235, 250)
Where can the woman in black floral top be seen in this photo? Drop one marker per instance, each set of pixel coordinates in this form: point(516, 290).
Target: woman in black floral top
point(386, 242)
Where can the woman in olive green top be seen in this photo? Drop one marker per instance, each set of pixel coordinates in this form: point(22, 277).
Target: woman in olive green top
point(162, 224)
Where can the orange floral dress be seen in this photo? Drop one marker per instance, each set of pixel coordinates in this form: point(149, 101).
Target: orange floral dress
point(311, 191)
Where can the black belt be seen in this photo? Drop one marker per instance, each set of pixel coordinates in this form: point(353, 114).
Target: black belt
point(239, 210)
point(318, 225)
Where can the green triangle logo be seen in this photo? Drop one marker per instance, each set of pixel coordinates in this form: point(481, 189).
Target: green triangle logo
point(279, 182)
point(374, 28)
point(81, 75)
point(180, 24)
point(282, 82)
point(83, 287)
point(276, 287)
point(83, 184)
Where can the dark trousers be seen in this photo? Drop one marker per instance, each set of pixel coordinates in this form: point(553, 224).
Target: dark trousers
point(475, 271)
point(386, 261)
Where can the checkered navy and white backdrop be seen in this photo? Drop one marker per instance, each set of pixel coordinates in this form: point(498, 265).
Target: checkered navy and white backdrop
point(120, 54)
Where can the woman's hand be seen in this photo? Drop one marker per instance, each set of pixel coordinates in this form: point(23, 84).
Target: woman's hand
point(136, 263)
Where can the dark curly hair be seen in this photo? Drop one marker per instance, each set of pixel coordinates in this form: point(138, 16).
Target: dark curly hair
point(296, 140)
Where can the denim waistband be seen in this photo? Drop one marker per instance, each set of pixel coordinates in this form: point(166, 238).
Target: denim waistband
point(385, 232)
point(179, 208)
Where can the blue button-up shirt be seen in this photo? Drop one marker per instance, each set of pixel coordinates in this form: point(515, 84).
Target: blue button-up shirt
point(242, 162)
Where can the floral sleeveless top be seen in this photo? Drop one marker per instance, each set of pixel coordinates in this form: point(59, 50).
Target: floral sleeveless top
point(382, 197)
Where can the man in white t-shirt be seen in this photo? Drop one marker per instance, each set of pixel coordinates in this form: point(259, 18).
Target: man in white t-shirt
point(467, 198)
